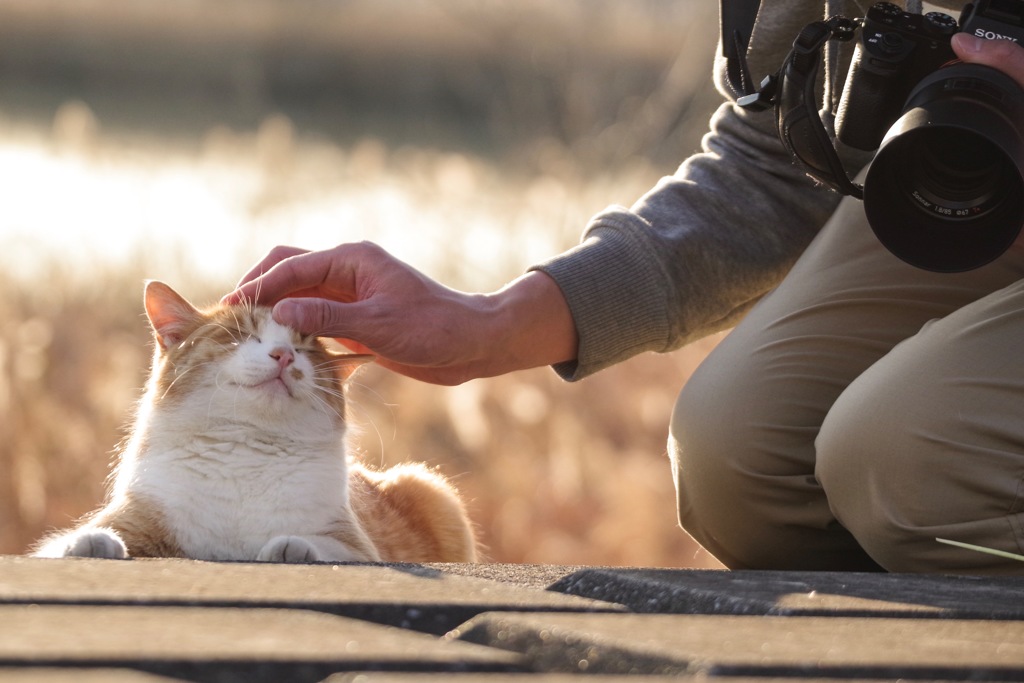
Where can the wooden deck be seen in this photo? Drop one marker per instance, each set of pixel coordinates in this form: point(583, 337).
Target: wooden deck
point(159, 620)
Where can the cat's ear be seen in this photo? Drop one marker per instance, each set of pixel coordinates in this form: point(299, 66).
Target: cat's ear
point(346, 364)
point(170, 314)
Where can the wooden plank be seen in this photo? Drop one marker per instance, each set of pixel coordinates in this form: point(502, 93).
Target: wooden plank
point(817, 647)
point(210, 643)
point(56, 675)
point(800, 593)
point(409, 596)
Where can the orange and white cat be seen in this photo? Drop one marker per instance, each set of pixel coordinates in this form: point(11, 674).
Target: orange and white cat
point(238, 453)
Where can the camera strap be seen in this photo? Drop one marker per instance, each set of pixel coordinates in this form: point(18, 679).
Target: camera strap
point(737, 24)
point(791, 92)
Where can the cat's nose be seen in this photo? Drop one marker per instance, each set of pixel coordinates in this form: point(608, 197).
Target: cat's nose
point(283, 355)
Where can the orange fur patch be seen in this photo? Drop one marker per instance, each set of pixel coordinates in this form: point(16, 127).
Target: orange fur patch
point(412, 514)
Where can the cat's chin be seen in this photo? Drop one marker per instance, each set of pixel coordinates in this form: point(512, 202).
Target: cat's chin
point(277, 387)
point(271, 387)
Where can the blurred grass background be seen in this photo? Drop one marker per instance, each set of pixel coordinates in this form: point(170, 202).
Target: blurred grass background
point(181, 141)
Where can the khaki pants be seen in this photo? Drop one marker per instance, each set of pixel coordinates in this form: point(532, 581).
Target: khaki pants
point(862, 409)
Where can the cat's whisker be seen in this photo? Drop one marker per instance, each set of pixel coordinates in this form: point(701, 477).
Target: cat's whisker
point(231, 331)
point(329, 389)
point(329, 363)
point(329, 407)
point(209, 407)
point(326, 407)
point(177, 378)
point(379, 397)
point(223, 385)
point(328, 385)
point(234, 316)
point(364, 418)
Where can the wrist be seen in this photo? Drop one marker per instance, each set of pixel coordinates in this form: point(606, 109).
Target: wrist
point(532, 323)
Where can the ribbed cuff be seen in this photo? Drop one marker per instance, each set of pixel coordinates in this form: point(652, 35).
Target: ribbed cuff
point(616, 293)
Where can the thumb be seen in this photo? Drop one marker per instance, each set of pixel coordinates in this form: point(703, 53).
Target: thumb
point(1004, 55)
point(318, 317)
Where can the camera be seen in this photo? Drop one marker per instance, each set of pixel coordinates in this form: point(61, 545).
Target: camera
point(945, 191)
point(896, 50)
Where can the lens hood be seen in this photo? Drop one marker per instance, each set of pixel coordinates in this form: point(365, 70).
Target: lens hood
point(945, 191)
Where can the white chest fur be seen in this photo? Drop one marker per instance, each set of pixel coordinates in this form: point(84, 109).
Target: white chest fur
point(223, 499)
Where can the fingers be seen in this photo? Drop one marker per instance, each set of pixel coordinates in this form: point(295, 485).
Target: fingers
point(325, 318)
point(312, 316)
point(285, 272)
point(288, 272)
point(1004, 55)
point(251, 286)
point(275, 256)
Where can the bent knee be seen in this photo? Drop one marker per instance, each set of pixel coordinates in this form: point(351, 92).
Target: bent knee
point(899, 476)
point(717, 462)
point(716, 479)
point(747, 516)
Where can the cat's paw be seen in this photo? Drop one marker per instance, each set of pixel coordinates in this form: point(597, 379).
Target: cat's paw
point(101, 543)
point(292, 549)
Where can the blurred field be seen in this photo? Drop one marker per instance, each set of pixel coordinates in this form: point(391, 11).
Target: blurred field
point(180, 141)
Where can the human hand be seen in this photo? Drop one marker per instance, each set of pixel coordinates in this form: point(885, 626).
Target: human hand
point(372, 302)
point(1004, 55)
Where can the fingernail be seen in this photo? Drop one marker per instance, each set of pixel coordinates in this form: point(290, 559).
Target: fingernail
point(967, 42)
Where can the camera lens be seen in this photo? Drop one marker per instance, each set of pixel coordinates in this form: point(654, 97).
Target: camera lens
point(958, 175)
point(945, 191)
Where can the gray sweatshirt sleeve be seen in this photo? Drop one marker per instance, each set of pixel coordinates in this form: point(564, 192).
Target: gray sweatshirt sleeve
point(698, 250)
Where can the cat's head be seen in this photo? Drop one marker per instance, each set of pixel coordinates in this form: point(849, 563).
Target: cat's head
point(237, 361)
